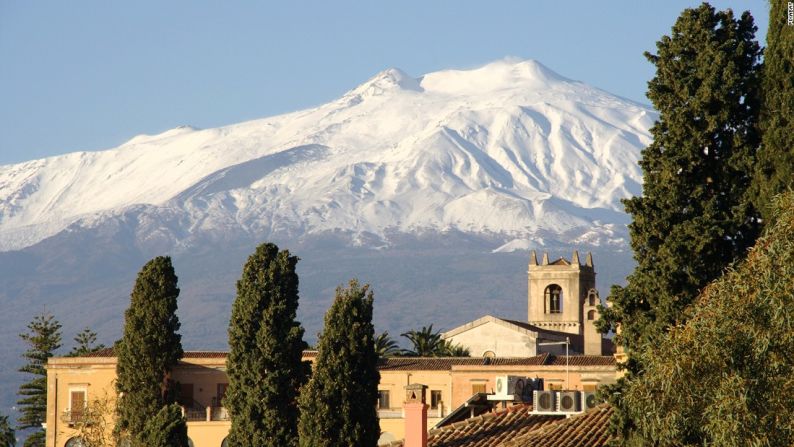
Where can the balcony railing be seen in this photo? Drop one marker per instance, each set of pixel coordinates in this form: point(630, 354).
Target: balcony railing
point(72, 417)
point(206, 414)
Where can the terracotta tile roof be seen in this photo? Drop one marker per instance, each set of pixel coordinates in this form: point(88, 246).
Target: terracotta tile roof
point(589, 429)
point(446, 363)
point(490, 429)
point(582, 360)
point(108, 352)
point(428, 363)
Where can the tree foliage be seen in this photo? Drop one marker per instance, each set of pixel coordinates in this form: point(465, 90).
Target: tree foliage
point(775, 168)
point(386, 346)
point(695, 215)
point(85, 343)
point(726, 377)
point(428, 343)
point(265, 364)
point(43, 339)
point(338, 404)
point(450, 349)
point(167, 428)
point(7, 434)
point(148, 350)
point(95, 427)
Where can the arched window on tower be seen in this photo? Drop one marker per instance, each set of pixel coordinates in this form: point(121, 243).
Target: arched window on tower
point(592, 297)
point(553, 299)
point(591, 315)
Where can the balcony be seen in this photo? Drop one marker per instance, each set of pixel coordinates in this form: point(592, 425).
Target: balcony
point(71, 418)
point(205, 414)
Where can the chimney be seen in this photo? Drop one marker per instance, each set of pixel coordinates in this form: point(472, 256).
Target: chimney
point(415, 415)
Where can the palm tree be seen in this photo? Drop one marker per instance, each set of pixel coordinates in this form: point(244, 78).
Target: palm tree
point(455, 350)
point(386, 346)
point(426, 343)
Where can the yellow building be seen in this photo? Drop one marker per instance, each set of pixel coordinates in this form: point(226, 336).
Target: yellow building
point(73, 383)
point(562, 308)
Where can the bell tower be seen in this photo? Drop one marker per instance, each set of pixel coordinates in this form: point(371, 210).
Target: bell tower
point(560, 298)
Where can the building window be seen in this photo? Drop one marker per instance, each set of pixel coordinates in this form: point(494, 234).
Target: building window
point(77, 404)
point(74, 442)
point(489, 354)
point(383, 400)
point(591, 315)
point(477, 388)
point(553, 299)
point(435, 398)
point(225, 442)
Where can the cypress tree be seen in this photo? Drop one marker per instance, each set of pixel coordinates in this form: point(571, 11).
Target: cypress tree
point(43, 338)
point(148, 350)
point(338, 404)
point(265, 364)
point(695, 215)
point(167, 428)
point(775, 167)
point(7, 435)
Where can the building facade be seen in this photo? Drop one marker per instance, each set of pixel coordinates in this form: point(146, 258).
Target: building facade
point(562, 310)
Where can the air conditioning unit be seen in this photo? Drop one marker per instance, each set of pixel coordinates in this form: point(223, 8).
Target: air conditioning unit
point(568, 402)
point(544, 401)
point(589, 400)
point(509, 388)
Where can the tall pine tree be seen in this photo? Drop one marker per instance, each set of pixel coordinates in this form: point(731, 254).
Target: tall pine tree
point(7, 436)
point(775, 167)
point(148, 350)
point(43, 339)
point(338, 404)
point(695, 215)
point(85, 343)
point(266, 344)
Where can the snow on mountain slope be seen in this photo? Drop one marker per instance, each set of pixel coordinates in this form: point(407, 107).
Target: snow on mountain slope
point(510, 149)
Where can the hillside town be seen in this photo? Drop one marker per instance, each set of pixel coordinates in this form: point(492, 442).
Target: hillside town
point(483, 202)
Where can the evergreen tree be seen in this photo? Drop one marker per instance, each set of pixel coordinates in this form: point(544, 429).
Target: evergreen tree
point(338, 404)
point(725, 378)
point(775, 167)
point(695, 215)
point(85, 343)
point(148, 350)
point(167, 428)
point(7, 435)
point(43, 339)
point(265, 348)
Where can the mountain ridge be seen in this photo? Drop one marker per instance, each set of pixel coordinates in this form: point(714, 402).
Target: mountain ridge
point(483, 150)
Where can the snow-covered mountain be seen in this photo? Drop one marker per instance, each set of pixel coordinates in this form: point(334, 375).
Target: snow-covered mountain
point(510, 149)
point(451, 175)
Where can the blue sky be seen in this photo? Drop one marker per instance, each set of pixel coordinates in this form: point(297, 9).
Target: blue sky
point(90, 75)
